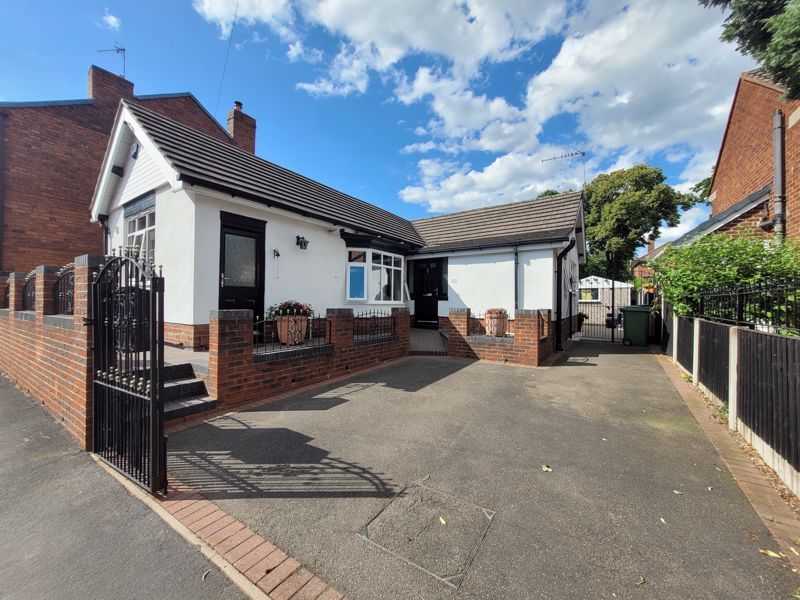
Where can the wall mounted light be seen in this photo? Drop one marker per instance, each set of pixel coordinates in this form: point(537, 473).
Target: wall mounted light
point(302, 242)
point(276, 253)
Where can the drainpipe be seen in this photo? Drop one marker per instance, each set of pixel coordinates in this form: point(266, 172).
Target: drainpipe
point(778, 178)
point(516, 280)
point(106, 232)
point(559, 276)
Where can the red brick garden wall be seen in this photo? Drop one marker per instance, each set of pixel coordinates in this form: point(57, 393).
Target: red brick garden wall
point(533, 342)
point(236, 375)
point(48, 356)
point(186, 336)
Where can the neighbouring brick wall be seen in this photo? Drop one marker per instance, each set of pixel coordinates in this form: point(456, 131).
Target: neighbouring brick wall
point(51, 160)
point(745, 162)
point(187, 336)
point(235, 375)
point(49, 356)
point(532, 344)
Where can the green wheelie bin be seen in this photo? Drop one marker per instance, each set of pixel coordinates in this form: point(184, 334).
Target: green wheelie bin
point(635, 321)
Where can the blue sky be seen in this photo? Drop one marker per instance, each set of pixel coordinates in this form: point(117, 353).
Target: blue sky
point(418, 106)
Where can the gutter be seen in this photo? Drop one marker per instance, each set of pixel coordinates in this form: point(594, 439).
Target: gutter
point(525, 242)
point(779, 162)
point(559, 276)
point(2, 182)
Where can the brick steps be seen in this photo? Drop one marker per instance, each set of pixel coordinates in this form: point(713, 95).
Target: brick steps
point(185, 392)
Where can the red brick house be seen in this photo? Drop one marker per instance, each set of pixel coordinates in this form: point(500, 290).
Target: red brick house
point(743, 190)
point(50, 157)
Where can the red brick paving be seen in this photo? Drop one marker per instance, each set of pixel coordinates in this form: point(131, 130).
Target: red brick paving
point(269, 567)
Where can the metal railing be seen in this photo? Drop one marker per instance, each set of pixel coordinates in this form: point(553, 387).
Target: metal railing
point(772, 306)
point(64, 291)
point(372, 325)
point(281, 333)
point(29, 292)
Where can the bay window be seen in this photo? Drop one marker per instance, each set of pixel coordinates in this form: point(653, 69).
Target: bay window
point(374, 276)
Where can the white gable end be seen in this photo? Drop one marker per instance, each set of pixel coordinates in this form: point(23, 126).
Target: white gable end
point(141, 174)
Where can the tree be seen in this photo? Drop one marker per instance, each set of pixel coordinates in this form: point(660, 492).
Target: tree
point(548, 192)
point(701, 189)
point(623, 207)
point(767, 30)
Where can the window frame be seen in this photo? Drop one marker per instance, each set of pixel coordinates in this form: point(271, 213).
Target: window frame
point(147, 233)
point(367, 267)
point(596, 294)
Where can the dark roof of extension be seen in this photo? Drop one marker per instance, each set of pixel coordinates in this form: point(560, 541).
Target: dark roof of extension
point(729, 214)
point(551, 218)
point(203, 160)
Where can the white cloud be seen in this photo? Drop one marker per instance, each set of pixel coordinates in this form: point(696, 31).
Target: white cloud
point(298, 51)
point(639, 78)
point(689, 220)
point(111, 21)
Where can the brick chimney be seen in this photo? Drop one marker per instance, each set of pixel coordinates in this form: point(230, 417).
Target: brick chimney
point(651, 243)
point(242, 128)
point(107, 88)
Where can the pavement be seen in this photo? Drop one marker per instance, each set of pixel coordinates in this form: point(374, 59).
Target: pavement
point(428, 475)
point(69, 530)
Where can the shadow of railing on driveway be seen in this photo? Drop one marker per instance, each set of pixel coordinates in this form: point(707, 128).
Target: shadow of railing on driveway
point(228, 459)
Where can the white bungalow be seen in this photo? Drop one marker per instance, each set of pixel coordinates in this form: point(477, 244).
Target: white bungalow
point(232, 230)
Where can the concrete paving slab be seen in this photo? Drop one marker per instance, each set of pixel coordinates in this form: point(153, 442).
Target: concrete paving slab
point(625, 511)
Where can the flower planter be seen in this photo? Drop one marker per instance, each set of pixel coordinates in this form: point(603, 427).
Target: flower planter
point(291, 329)
point(496, 322)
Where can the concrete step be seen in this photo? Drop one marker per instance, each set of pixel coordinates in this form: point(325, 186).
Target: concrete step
point(184, 407)
point(188, 387)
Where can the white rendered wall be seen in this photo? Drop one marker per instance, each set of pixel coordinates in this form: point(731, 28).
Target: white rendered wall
point(537, 277)
point(479, 281)
point(316, 275)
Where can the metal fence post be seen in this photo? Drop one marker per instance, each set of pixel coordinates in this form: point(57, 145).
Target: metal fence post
point(733, 376)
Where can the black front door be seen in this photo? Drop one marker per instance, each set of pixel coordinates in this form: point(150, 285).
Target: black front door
point(427, 290)
point(241, 264)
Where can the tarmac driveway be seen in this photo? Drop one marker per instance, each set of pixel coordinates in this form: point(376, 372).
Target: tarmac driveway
point(625, 512)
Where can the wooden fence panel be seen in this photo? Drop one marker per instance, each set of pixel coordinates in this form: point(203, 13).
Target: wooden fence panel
point(714, 358)
point(686, 343)
point(768, 390)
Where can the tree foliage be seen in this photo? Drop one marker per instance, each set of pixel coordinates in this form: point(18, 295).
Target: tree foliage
point(702, 189)
point(622, 208)
point(769, 31)
point(720, 259)
point(548, 192)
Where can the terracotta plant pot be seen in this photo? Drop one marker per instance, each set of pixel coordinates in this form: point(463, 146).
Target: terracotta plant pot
point(292, 329)
point(496, 322)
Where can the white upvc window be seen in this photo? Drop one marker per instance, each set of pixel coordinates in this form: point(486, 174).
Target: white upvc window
point(374, 276)
point(141, 233)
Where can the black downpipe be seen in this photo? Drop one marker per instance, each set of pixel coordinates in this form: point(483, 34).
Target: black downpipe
point(106, 232)
point(559, 276)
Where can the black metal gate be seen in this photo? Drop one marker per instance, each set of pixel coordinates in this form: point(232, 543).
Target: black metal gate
point(128, 309)
point(599, 310)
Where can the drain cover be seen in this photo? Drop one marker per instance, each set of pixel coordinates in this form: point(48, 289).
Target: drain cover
point(431, 530)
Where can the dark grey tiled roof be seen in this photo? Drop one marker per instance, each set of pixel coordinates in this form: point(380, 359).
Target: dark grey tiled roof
point(729, 214)
point(203, 160)
point(540, 219)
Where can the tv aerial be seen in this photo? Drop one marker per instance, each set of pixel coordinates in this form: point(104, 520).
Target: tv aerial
point(117, 49)
point(573, 154)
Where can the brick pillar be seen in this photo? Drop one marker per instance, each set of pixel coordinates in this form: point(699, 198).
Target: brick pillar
point(230, 354)
point(459, 330)
point(3, 285)
point(45, 302)
point(341, 323)
point(402, 329)
point(526, 336)
point(16, 281)
point(86, 267)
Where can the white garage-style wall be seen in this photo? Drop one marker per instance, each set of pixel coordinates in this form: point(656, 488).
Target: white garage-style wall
point(537, 277)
